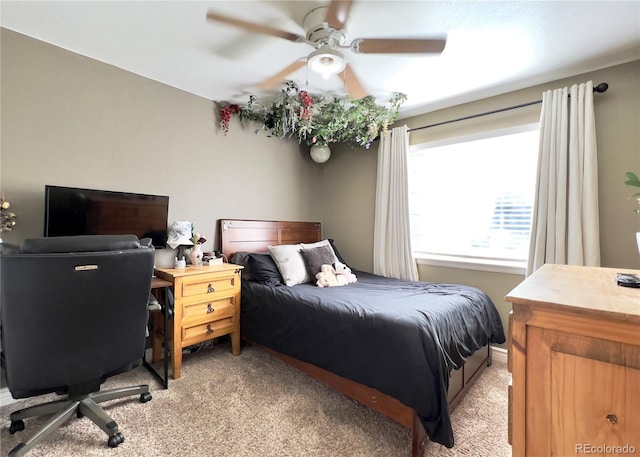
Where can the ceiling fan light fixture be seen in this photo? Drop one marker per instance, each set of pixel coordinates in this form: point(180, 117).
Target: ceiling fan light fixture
point(326, 61)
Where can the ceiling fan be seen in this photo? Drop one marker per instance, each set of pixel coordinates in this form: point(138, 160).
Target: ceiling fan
point(324, 30)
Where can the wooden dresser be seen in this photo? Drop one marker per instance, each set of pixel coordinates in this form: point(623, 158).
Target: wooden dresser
point(206, 306)
point(574, 354)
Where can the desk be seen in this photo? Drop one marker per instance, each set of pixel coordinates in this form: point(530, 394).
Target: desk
point(157, 283)
point(207, 306)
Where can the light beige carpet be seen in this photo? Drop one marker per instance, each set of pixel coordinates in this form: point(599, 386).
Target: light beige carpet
point(256, 406)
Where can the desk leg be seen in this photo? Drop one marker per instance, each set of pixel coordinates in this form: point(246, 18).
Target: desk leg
point(176, 341)
point(157, 342)
point(164, 381)
point(166, 340)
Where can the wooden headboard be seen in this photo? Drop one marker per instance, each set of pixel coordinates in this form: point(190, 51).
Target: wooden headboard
point(254, 236)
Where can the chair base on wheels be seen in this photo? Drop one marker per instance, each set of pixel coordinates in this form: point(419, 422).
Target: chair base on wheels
point(63, 409)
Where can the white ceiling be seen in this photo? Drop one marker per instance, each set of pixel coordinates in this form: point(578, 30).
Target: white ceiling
point(492, 46)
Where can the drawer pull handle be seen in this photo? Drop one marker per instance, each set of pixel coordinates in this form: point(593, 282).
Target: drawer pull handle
point(210, 309)
point(209, 329)
point(210, 289)
point(612, 418)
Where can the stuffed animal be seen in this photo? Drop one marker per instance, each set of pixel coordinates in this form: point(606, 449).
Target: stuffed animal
point(328, 278)
point(345, 272)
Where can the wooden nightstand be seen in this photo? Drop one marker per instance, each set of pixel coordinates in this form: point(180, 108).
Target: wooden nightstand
point(206, 306)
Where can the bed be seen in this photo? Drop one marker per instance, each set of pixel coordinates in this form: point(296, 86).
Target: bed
point(409, 350)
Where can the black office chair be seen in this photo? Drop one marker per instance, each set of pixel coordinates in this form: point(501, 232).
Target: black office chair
point(73, 313)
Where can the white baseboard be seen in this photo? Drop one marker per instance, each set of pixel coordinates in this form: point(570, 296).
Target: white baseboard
point(5, 397)
point(498, 354)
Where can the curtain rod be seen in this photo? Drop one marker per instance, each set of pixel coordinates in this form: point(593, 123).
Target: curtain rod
point(600, 88)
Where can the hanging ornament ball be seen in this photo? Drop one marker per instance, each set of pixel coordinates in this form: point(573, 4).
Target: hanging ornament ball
point(320, 153)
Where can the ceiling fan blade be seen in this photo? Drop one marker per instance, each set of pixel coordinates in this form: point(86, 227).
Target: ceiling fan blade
point(338, 13)
point(352, 83)
point(276, 79)
point(397, 46)
point(253, 27)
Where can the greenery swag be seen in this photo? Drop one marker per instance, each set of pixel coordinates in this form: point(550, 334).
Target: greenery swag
point(317, 120)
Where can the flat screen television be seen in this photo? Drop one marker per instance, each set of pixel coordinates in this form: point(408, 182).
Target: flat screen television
point(74, 211)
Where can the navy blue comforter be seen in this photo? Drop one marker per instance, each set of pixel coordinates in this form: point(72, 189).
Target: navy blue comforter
point(402, 338)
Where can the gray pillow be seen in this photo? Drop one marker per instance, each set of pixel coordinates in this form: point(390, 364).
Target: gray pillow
point(242, 258)
point(314, 258)
point(264, 270)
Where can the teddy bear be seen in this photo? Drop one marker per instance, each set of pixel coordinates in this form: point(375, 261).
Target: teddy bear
point(343, 271)
point(328, 278)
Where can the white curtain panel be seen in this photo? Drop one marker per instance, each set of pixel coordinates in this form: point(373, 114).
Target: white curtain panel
point(565, 227)
point(392, 253)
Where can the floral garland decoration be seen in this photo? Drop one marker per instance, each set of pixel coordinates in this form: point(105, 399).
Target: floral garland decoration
point(7, 218)
point(317, 120)
point(197, 237)
point(225, 116)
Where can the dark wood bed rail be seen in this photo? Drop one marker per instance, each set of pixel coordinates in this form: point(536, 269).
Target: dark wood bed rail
point(255, 236)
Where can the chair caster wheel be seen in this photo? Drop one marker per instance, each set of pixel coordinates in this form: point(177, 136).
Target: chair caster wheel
point(115, 440)
point(16, 426)
point(79, 415)
point(145, 397)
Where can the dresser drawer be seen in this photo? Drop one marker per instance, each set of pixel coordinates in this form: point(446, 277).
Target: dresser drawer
point(209, 284)
point(203, 332)
point(216, 307)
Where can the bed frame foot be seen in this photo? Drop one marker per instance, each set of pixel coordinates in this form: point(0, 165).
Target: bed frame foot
point(418, 438)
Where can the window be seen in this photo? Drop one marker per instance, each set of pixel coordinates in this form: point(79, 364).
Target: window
point(471, 198)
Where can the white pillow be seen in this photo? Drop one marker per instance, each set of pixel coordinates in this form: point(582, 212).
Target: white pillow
point(290, 263)
point(317, 244)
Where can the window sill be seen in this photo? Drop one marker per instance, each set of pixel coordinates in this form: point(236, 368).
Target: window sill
point(514, 267)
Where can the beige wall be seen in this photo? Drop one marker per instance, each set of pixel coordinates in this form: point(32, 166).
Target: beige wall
point(72, 121)
point(349, 190)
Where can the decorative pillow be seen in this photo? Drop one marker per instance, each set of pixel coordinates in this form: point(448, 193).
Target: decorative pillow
point(314, 244)
point(317, 244)
point(264, 270)
point(314, 258)
point(290, 263)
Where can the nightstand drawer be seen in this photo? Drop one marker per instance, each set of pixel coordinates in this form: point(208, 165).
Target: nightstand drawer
point(209, 284)
point(203, 332)
point(207, 311)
